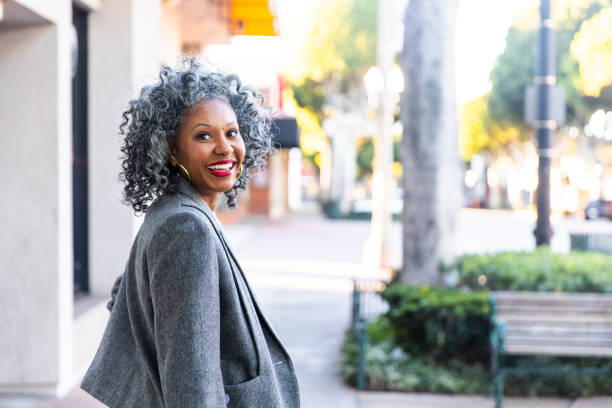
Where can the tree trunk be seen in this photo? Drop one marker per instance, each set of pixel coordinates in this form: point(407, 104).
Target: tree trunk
point(430, 153)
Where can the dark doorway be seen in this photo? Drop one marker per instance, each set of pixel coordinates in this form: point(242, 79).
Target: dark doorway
point(79, 152)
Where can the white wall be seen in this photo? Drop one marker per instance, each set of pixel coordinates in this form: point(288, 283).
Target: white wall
point(124, 40)
point(36, 234)
point(40, 335)
point(52, 10)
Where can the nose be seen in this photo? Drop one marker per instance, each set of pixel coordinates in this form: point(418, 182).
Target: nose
point(223, 147)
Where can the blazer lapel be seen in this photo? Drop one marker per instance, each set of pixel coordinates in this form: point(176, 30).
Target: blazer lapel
point(261, 316)
point(187, 189)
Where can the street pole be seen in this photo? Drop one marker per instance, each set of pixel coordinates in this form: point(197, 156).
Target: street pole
point(544, 124)
point(383, 146)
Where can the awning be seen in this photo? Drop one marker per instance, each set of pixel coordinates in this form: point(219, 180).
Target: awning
point(252, 17)
point(285, 132)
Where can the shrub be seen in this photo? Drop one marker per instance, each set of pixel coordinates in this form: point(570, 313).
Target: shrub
point(388, 367)
point(538, 270)
point(444, 324)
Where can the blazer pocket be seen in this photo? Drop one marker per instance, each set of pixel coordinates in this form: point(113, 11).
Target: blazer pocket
point(245, 394)
point(239, 359)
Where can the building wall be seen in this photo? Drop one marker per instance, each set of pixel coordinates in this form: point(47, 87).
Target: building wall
point(123, 52)
point(48, 338)
point(188, 26)
point(36, 238)
point(53, 11)
point(123, 55)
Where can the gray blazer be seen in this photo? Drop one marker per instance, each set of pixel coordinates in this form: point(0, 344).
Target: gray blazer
point(185, 329)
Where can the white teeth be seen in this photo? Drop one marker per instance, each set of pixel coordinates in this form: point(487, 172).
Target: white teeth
point(226, 166)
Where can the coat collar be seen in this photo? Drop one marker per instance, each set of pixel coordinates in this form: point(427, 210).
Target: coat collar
point(187, 189)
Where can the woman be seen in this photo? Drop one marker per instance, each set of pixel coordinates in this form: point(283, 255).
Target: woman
point(185, 329)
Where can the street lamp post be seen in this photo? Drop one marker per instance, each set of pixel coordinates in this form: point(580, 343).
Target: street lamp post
point(380, 247)
point(544, 124)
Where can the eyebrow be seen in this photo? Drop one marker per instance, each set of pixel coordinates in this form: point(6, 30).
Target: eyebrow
point(209, 126)
point(201, 124)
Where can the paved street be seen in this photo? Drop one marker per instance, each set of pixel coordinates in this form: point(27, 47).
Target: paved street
point(301, 270)
point(494, 230)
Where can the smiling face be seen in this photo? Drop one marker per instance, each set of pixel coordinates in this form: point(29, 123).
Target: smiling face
point(208, 144)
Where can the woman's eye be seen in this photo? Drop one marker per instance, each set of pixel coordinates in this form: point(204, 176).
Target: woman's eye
point(232, 133)
point(203, 136)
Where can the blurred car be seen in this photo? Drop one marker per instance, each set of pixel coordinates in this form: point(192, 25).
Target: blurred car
point(598, 208)
point(365, 206)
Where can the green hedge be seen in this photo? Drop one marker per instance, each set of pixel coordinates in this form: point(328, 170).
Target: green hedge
point(444, 324)
point(429, 340)
point(539, 270)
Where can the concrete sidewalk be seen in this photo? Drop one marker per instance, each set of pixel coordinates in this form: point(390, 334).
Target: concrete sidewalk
point(301, 270)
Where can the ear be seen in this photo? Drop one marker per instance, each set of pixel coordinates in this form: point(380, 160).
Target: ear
point(173, 160)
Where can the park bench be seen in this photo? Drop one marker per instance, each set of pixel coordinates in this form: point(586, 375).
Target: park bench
point(549, 324)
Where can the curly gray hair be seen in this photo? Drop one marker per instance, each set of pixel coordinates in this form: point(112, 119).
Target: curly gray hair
point(151, 123)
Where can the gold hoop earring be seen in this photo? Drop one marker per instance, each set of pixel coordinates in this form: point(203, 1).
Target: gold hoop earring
point(240, 173)
point(180, 166)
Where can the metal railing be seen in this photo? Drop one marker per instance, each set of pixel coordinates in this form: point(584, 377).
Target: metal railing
point(367, 306)
point(591, 242)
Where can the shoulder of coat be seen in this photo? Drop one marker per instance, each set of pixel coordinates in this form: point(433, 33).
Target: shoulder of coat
point(171, 214)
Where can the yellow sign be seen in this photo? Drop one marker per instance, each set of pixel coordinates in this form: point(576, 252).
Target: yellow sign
point(252, 17)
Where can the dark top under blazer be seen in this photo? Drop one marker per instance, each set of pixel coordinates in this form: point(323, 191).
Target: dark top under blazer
point(185, 329)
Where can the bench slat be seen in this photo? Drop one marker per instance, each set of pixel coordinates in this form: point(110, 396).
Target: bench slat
point(543, 336)
point(559, 326)
point(565, 342)
point(548, 296)
point(558, 333)
point(522, 308)
point(606, 304)
point(510, 318)
point(559, 351)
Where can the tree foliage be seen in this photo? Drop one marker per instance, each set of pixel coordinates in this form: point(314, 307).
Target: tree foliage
point(478, 133)
point(583, 57)
point(311, 134)
point(592, 47)
point(338, 46)
point(310, 95)
point(513, 71)
point(473, 133)
point(333, 50)
point(339, 41)
point(365, 156)
point(516, 66)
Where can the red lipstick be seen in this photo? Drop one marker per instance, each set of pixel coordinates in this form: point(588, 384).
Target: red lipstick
point(222, 168)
